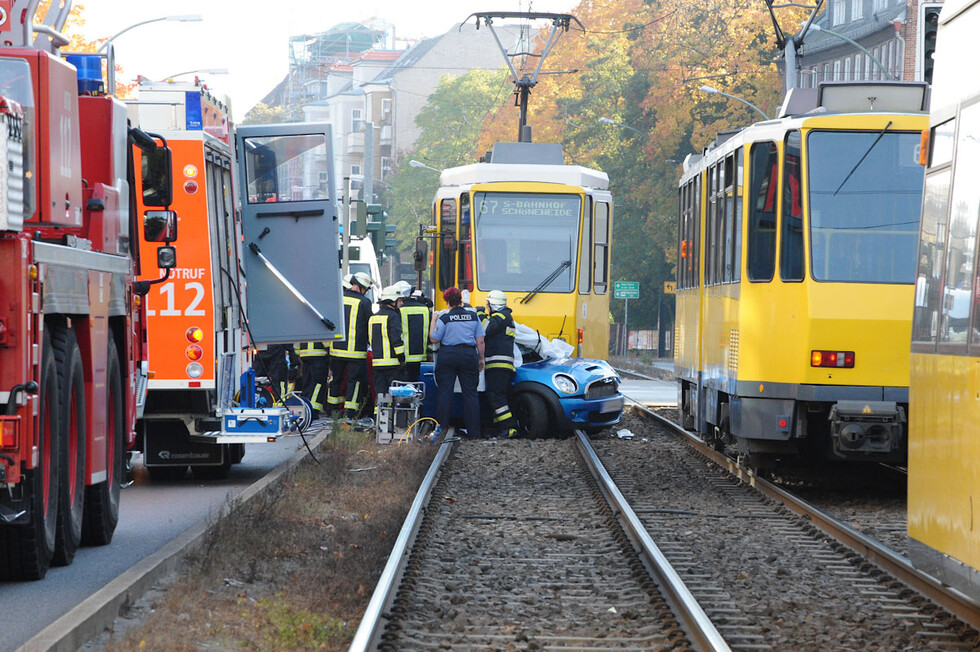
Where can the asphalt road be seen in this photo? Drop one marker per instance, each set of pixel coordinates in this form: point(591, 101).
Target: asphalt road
point(151, 515)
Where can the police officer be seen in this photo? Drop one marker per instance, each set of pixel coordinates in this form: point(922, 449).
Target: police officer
point(387, 347)
point(348, 359)
point(498, 323)
point(460, 335)
point(416, 320)
point(316, 367)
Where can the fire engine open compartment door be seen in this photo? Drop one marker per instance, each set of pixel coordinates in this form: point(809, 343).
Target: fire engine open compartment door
point(289, 219)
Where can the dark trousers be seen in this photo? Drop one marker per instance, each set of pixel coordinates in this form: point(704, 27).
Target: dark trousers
point(383, 377)
point(271, 363)
point(410, 372)
point(498, 387)
point(353, 372)
point(314, 387)
point(462, 362)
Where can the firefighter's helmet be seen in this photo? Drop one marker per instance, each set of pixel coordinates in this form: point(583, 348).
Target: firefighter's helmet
point(346, 281)
point(404, 288)
point(363, 279)
point(390, 294)
point(496, 298)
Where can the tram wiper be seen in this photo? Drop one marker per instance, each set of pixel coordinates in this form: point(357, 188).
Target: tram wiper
point(565, 264)
point(856, 165)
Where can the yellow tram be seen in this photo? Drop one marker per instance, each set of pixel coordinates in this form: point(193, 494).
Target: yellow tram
point(525, 223)
point(796, 261)
point(944, 426)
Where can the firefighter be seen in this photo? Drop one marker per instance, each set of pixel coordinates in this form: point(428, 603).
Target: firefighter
point(416, 318)
point(348, 359)
point(498, 323)
point(315, 358)
point(387, 347)
point(275, 362)
point(460, 335)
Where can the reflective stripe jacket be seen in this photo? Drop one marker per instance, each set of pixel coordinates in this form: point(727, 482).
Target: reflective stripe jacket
point(499, 342)
point(357, 311)
point(387, 347)
point(416, 319)
point(311, 349)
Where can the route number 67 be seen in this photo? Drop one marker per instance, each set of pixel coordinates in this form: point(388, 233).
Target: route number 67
point(168, 290)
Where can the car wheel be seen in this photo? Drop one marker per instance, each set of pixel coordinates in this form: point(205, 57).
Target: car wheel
point(532, 415)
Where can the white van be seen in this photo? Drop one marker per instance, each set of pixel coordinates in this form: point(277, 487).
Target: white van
point(363, 259)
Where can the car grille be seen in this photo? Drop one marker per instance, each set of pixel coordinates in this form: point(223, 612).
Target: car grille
point(602, 388)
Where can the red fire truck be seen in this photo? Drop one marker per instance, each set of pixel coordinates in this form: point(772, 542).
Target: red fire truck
point(71, 320)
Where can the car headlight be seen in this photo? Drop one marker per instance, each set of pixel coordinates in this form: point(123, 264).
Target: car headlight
point(565, 384)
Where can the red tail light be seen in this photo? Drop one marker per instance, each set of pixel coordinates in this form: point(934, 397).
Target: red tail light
point(841, 359)
point(194, 335)
point(581, 335)
point(8, 432)
point(194, 352)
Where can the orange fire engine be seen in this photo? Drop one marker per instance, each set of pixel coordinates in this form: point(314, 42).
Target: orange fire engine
point(198, 346)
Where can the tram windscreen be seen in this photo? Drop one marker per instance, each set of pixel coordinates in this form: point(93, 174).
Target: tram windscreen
point(865, 191)
point(525, 239)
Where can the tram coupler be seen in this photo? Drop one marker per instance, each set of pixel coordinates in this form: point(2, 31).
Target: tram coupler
point(866, 427)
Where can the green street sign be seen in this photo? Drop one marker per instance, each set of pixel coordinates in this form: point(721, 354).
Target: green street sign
point(626, 290)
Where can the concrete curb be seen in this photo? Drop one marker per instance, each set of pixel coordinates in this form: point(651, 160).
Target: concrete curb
point(99, 611)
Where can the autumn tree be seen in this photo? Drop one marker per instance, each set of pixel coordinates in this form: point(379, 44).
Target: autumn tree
point(263, 114)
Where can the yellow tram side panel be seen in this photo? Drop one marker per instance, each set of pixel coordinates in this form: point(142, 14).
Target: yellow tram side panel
point(944, 446)
point(185, 300)
point(719, 349)
point(551, 314)
point(779, 324)
point(687, 360)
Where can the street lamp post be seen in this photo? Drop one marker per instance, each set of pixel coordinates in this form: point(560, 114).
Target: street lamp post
point(606, 121)
point(817, 28)
point(110, 50)
point(419, 164)
point(711, 90)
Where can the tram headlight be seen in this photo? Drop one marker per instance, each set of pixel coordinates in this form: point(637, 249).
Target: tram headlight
point(565, 384)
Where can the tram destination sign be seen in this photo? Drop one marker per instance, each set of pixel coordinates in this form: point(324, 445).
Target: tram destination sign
point(626, 290)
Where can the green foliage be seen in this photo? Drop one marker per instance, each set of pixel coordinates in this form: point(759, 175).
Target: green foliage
point(286, 628)
point(450, 122)
point(263, 114)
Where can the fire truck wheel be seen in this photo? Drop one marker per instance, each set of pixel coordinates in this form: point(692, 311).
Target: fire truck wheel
point(218, 471)
point(102, 499)
point(26, 550)
point(71, 486)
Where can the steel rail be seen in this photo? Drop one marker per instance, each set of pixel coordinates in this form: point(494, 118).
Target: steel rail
point(373, 622)
point(686, 608)
point(899, 567)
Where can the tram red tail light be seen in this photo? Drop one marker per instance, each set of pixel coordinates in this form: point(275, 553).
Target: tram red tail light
point(842, 359)
point(581, 335)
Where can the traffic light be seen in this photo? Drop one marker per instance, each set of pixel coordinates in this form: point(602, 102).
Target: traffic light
point(930, 25)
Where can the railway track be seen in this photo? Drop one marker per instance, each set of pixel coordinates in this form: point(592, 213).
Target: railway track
point(881, 577)
point(514, 544)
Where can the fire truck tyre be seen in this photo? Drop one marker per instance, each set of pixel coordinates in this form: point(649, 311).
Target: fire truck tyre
point(532, 414)
point(215, 472)
point(26, 550)
point(71, 486)
point(102, 499)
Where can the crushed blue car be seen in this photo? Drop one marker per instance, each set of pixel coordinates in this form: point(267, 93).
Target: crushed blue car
point(551, 397)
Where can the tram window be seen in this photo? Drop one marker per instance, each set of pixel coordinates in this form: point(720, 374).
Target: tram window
point(737, 220)
point(932, 244)
point(729, 199)
point(763, 169)
point(711, 229)
point(696, 231)
point(447, 227)
point(600, 265)
point(941, 142)
point(964, 208)
point(791, 245)
point(465, 247)
point(585, 262)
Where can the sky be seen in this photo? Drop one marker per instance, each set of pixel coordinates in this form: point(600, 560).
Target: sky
point(249, 38)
